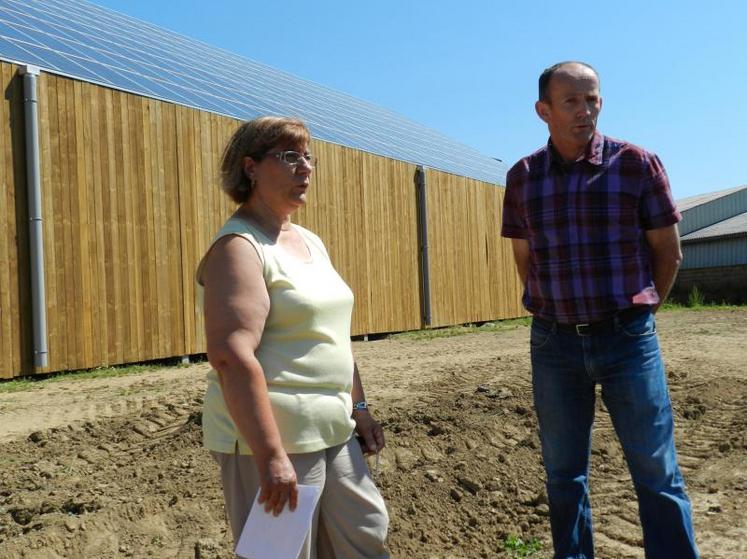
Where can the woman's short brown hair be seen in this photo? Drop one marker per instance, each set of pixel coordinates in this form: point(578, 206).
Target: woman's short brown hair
point(255, 138)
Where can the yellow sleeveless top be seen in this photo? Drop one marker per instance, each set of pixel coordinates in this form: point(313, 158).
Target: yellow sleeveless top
point(305, 350)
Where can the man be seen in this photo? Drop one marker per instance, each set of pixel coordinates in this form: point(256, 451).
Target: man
point(594, 234)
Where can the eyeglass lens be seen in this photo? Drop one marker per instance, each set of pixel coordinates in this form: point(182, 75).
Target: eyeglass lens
point(294, 158)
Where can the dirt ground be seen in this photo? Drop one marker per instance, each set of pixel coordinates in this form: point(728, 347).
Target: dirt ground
point(114, 468)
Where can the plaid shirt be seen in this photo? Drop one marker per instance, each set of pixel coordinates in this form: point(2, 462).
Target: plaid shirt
point(585, 223)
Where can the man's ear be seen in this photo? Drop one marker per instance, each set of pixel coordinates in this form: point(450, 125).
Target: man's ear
point(543, 110)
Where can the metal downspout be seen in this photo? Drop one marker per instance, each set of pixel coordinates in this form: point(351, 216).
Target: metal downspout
point(423, 238)
point(36, 239)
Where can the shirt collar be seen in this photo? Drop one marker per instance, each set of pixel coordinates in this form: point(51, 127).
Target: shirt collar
point(594, 153)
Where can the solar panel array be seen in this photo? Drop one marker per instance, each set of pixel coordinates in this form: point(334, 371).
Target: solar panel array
point(81, 40)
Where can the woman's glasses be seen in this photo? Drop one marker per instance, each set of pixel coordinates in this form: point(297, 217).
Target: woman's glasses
point(293, 158)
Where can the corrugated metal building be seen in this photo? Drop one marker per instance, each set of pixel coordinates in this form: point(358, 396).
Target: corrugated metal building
point(714, 245)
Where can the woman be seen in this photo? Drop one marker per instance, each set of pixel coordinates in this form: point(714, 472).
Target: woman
point(284, 396)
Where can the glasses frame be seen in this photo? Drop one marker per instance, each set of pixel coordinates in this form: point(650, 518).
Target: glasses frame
point(283, 156)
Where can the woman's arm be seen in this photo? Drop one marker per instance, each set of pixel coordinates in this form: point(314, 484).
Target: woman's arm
point(365, 425)
point(236, 307)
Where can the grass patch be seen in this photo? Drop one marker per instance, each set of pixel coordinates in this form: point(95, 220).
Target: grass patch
point(698, 300)
point(513, 324)
point(675, 306)
point(40, 381)
point(450, 331)
point(517, 547)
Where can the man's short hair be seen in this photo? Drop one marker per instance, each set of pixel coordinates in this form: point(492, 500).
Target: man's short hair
point(544, 80)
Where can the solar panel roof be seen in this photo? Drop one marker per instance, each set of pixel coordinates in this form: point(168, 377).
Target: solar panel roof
point(81, 40)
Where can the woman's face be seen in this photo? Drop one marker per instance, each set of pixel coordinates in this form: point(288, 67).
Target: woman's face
point(281, 179)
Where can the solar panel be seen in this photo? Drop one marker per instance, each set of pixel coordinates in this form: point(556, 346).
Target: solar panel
point(81, 40)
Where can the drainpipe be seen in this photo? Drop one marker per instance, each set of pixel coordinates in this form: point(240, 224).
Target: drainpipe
point(423, 238)
point(36, 240)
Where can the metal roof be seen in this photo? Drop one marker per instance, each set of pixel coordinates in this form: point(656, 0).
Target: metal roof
point(733, 227)
point(687, 203)
point(78, 39)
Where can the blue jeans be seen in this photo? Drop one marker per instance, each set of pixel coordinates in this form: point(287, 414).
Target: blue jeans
point(628, 366)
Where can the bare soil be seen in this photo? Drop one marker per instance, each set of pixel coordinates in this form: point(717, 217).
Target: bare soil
point(114, 467)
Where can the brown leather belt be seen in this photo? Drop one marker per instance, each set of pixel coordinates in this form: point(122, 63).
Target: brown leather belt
point(603, 327)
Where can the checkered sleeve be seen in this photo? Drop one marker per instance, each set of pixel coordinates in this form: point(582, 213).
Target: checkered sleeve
point(657, 208)
point(514, 219)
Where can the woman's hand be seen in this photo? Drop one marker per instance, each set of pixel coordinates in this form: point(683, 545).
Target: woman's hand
point(278, 484)
point(369, 430)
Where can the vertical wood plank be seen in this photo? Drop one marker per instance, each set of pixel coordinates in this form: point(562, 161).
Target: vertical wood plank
point(172, 223)
point(84, 295)
point(100, 281)
point(9, 249)
point(111, 195)
point(64, 215)
point(125, 245)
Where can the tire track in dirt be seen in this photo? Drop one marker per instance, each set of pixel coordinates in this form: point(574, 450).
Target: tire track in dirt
point(112, 487)
point(711, 422)
point(713, 454)
point(65, 403)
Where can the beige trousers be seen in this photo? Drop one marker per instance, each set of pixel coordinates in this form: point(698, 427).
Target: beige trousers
point(350, 520)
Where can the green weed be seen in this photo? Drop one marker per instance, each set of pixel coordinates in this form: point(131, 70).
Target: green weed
point(695, 298)
point(517, 547)
point(675, 306)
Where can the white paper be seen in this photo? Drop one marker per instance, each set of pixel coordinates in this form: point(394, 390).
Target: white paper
point(278, 537)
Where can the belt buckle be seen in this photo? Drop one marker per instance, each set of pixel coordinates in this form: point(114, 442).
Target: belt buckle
point(579, 327)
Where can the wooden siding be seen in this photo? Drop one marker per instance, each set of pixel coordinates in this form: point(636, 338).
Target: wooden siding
point(472, 273)
point(111, 217)
point(204, 207)
point(15, 318)
point(131, 200)
point(364, 208)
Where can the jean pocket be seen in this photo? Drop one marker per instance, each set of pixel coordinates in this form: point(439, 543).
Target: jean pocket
point(641, 327)
point(539, 336)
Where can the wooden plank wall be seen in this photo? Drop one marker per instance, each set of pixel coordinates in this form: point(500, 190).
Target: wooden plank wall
point(131, 200)
point(364, 209)
point(200, 138)
point(111, 215)
point(15, 321)
point(472, 274)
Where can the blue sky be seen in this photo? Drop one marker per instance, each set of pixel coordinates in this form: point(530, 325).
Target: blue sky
point(674, 74)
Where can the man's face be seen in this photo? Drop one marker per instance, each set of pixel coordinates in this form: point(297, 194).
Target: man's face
point(572, 109)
